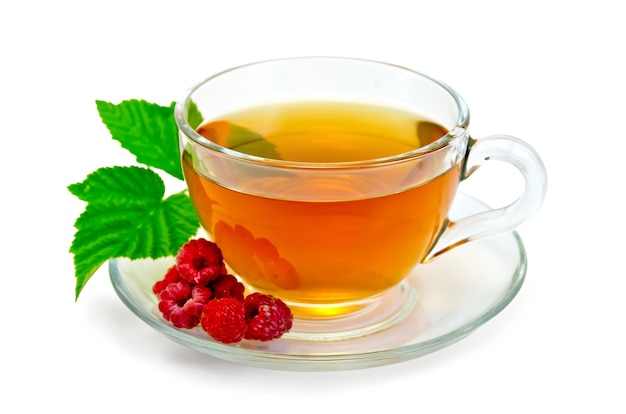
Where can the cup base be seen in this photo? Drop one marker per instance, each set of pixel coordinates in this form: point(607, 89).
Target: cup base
point(354, 319)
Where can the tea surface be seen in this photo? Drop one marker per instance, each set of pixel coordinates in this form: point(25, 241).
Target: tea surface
point(327, 131)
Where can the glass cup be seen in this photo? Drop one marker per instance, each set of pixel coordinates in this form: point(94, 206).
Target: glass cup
point(325, 181)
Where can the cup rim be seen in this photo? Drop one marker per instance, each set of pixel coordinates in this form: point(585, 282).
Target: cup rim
point(459, 130)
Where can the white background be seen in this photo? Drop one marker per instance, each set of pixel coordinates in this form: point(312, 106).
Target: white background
point(549, 72)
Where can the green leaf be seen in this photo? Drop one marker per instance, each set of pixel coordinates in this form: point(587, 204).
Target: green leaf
point(145, 129)
point(126, 216)
point(244, 140)
point(108, 186)
point(238, 138)
point(194, 117)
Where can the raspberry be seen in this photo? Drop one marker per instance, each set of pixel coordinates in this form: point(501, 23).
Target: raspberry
point(199, 290)
point(200, 296)
point(171, 302)
point(171, 276)
point(267, 317)
point(181, 304)
point(200, 261)
point(224, 319)
point(227, 286)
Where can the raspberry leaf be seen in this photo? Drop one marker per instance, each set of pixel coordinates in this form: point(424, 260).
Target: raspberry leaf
point(242, 139)
point(109, 186)
point(147, 130)
point(194, 117)
point(126, 216)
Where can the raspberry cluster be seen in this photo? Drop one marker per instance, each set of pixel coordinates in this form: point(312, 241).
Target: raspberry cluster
point(197, 290)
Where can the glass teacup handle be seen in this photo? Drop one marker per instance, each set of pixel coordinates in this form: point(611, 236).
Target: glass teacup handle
point(523, 157)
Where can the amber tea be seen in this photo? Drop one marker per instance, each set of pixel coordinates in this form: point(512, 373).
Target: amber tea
point(326, 240)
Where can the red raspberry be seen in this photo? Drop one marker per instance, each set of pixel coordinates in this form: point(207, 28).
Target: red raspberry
point(227, 286)
point(172, 300)
point(200, 261)
point(181, 303)
point(199, 290)
point(267, 317)
point(224, 319)
point(171, 276)
point(200, 296)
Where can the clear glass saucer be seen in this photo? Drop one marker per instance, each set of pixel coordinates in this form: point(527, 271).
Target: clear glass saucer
point(445, 300)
